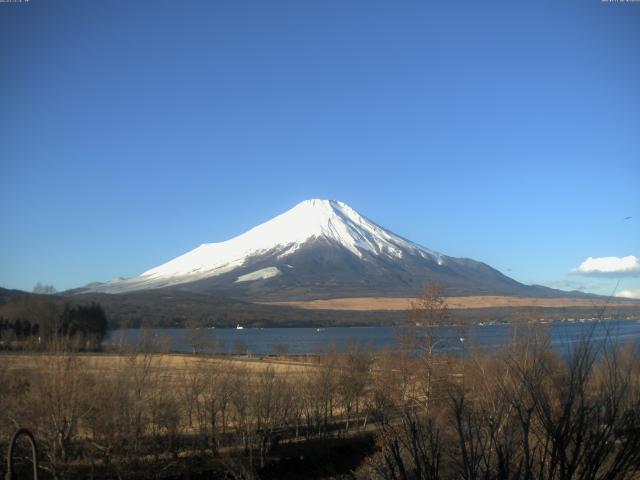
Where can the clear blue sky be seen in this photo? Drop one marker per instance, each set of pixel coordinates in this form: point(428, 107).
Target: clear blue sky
point(133, 131)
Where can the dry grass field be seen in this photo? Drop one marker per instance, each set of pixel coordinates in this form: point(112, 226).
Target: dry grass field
point(395, 304)
point(353, 415)
point(171, 364)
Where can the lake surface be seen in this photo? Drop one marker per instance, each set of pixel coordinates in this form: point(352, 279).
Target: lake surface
point(266, 341)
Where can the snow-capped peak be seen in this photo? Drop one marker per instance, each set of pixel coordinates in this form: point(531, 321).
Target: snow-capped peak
point(328, 219)
point(313, 219)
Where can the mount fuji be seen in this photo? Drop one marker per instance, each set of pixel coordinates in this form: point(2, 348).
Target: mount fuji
point(319, 249)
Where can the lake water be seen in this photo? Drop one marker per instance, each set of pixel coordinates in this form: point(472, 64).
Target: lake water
point(265, 341)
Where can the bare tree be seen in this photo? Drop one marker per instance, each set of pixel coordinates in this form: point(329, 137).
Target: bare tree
point(44, 289)
point(60, 388)
point(354, 375)
point(427, 312)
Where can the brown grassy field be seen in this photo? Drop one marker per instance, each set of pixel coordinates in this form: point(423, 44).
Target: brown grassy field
point(169, 416)
point(172, 365)
point(395, 304)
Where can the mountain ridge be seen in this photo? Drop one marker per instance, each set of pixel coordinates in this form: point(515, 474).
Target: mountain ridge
point(320, 249)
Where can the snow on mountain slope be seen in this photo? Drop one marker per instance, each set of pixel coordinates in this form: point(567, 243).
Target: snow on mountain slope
point(330, 219)
point(261, 274)
point(312, 219)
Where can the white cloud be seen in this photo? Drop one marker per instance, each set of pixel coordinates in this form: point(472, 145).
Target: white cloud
point(629, 293)
point(609, 267)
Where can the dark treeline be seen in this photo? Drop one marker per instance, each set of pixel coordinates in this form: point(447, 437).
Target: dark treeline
point(18, 329)
point(33, 320)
